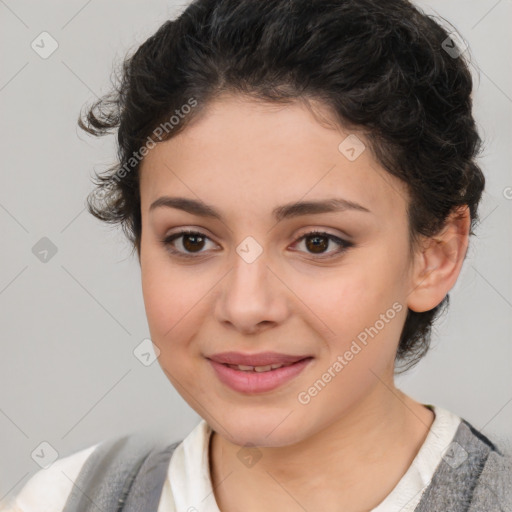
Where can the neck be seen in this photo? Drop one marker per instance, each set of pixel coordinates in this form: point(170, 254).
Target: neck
point(358, 459)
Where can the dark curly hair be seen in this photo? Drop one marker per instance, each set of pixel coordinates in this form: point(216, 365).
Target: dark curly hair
point(385, 69)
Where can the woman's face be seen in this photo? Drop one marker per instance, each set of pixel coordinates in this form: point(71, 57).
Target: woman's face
point(247, 281)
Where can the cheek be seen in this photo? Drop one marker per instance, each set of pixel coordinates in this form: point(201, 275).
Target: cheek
point(170, 315)
point(166, 294)
point(175, 299)
point(358, 302)
point(349, 298)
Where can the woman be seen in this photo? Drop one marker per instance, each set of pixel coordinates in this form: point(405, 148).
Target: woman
point(299, 182)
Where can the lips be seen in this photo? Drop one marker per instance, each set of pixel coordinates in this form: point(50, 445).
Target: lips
point(260, 379)
point(259, 359)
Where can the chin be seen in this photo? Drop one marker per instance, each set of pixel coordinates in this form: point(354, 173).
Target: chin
point(261, 429)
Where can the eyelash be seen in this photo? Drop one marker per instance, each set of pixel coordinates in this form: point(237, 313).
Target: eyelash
point(344, 244)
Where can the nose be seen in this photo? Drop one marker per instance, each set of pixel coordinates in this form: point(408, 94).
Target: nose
point(252, 297)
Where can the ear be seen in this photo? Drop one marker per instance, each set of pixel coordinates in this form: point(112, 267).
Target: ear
point(438, 262)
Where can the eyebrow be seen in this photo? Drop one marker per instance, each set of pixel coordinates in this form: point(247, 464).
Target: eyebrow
point(279, 213)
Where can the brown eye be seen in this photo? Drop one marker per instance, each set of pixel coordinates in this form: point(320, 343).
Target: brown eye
point(317, 243)
point(192, 243)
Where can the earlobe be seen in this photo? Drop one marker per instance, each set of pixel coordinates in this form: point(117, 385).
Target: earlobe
point(438, 263)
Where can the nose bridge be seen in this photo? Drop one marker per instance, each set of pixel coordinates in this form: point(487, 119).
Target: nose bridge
point(251, 295)
point(249, 274)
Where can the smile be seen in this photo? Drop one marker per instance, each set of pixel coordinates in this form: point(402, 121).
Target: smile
point(258, 379)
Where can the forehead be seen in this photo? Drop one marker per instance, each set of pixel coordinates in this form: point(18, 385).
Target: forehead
point(245, 155)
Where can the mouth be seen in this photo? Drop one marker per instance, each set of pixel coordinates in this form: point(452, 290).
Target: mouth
point(258, 379)
point(259, 369)
point(256, 360)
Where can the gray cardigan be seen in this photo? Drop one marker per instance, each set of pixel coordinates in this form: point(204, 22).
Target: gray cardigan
point(127, 474)
point(473, 476)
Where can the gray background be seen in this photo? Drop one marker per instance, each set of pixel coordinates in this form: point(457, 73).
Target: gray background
point(69, 326)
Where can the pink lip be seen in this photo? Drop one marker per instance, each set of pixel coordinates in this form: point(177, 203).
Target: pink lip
point(257, 382)
point(259, 359)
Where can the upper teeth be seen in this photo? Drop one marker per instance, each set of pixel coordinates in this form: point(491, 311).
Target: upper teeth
point(257, 368)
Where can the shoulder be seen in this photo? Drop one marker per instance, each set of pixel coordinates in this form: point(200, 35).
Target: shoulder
point(475, 473)
point(492, 470)
point(498, 449)
point(493, 490)
point(117, 459)
point(48, 489)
